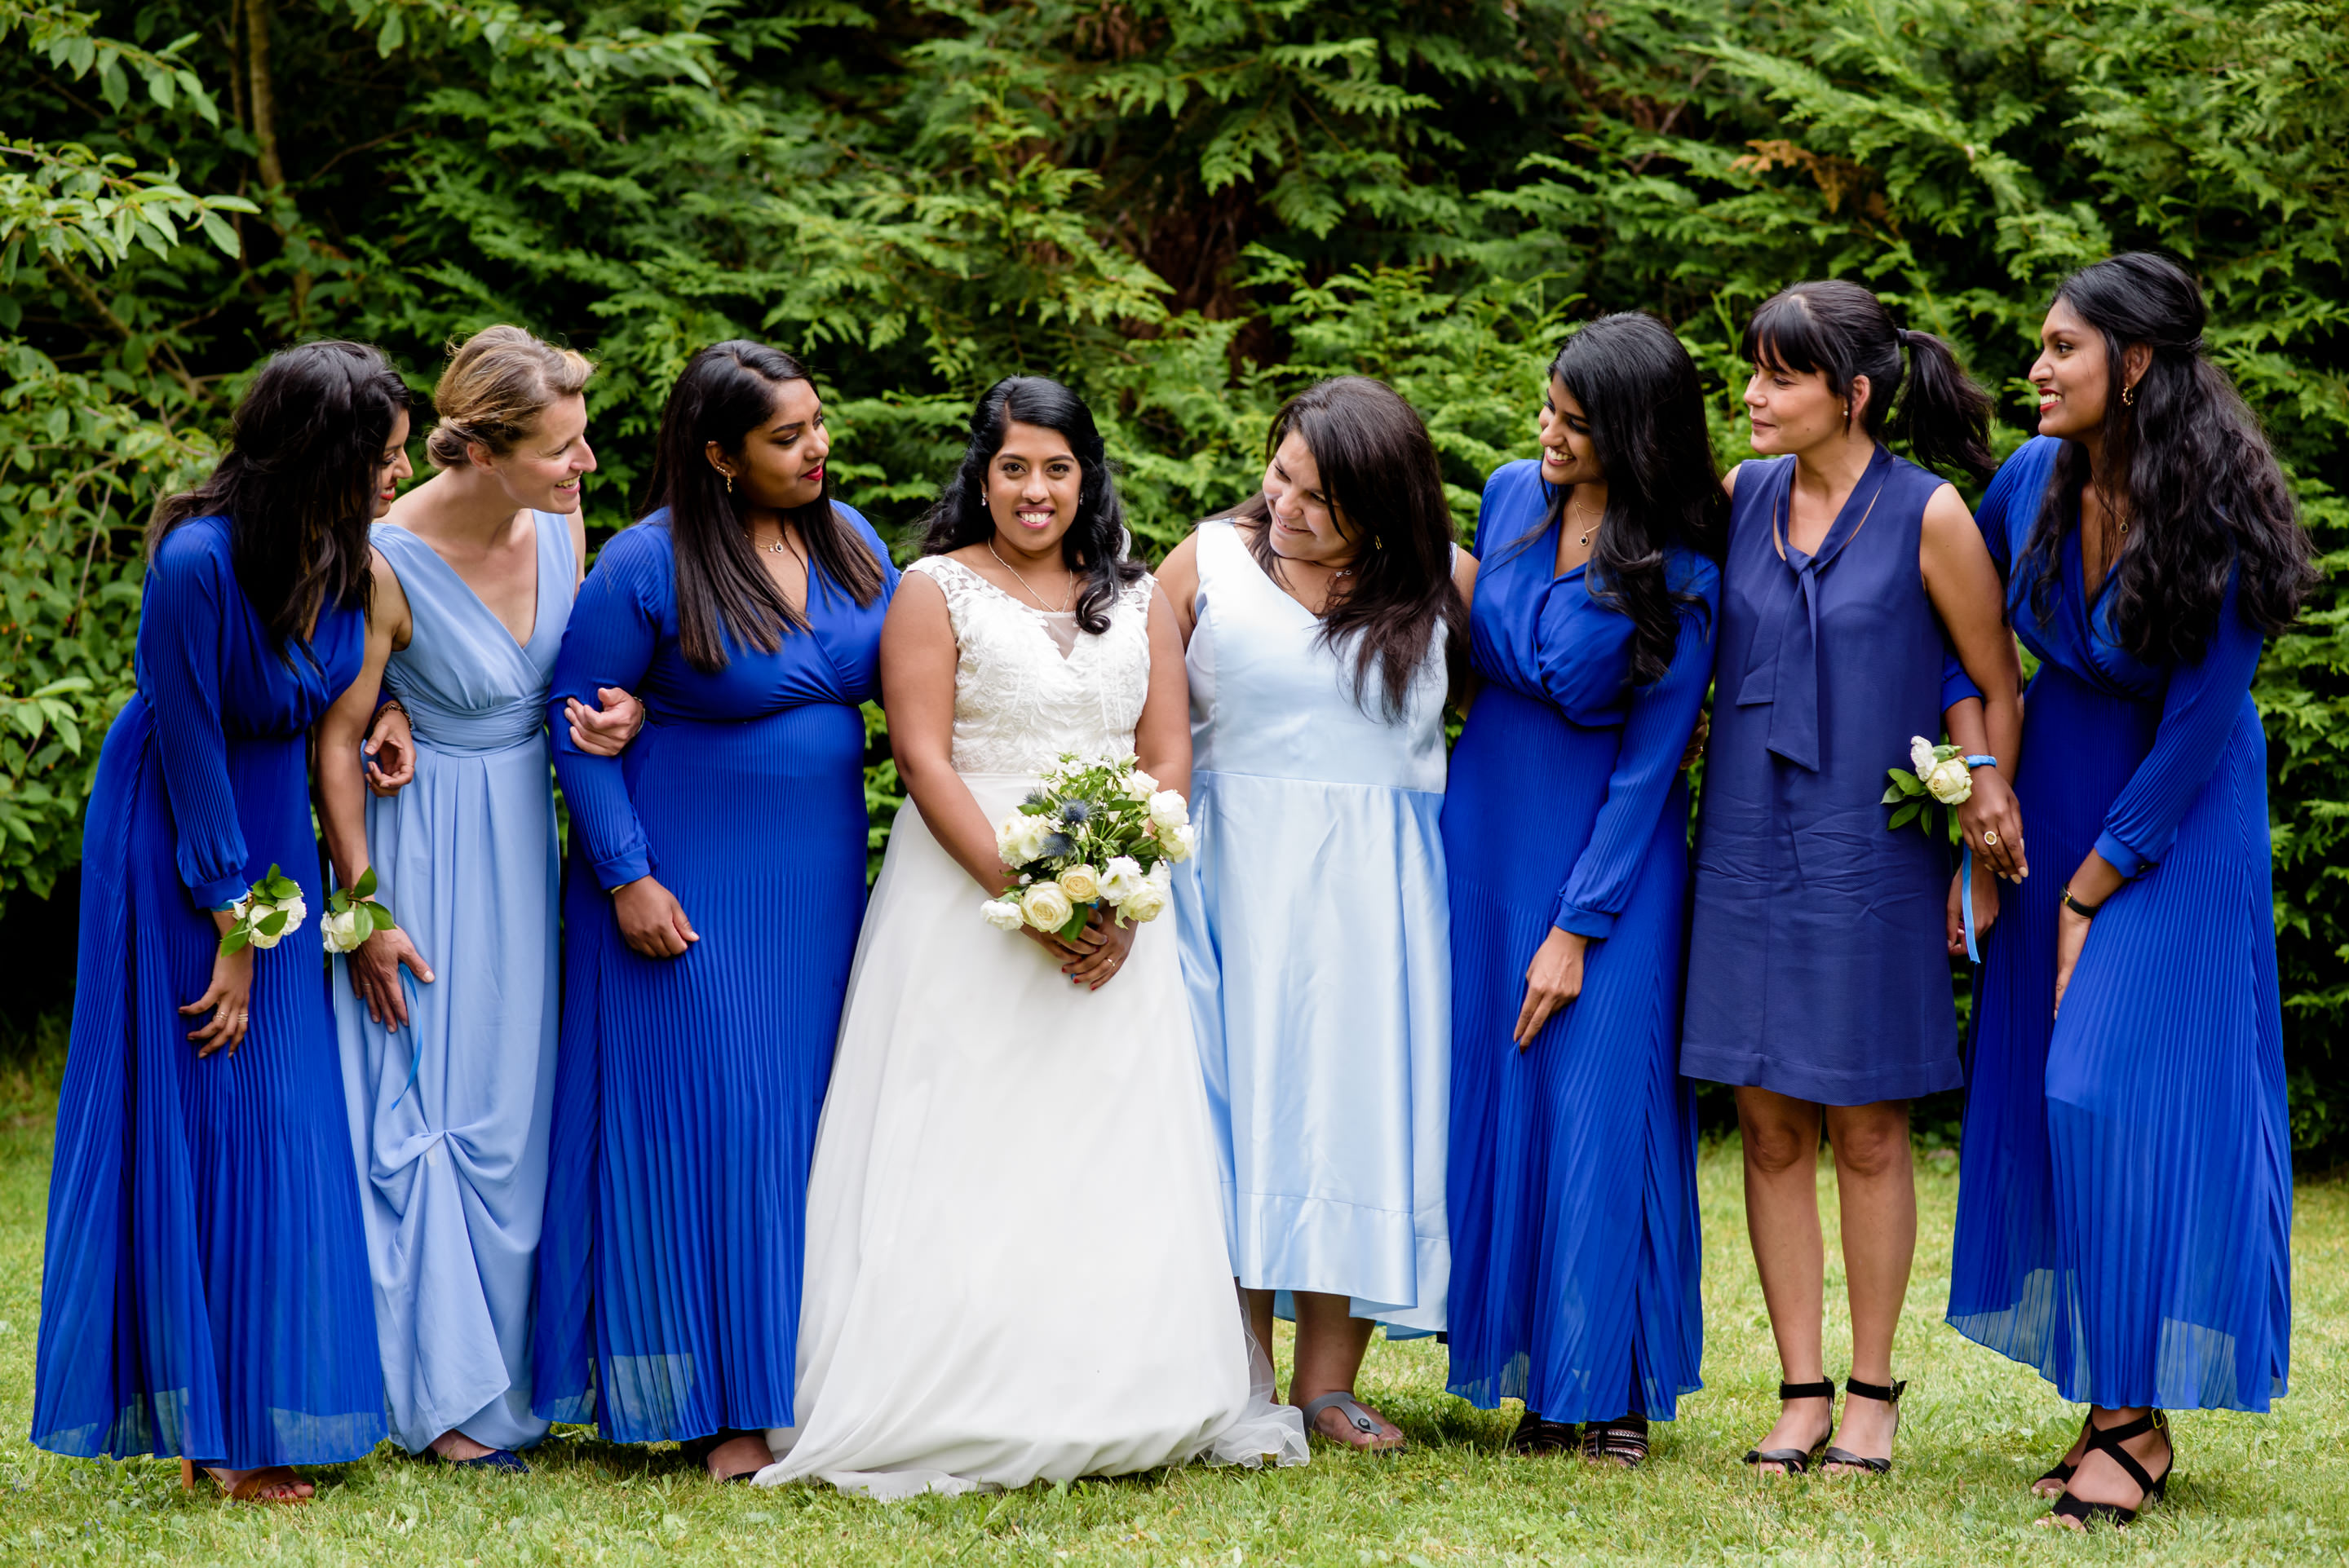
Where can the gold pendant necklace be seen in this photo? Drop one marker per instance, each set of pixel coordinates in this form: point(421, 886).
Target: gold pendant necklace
point(1031, 587)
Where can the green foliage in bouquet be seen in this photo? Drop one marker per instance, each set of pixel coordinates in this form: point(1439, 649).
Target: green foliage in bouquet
point(1092, 834)
point(270, 909)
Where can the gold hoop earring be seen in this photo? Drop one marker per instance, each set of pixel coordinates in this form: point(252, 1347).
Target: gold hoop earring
point(2128, 395)
point(730, 481)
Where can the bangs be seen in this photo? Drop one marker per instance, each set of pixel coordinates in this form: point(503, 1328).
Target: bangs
point(1784, 334)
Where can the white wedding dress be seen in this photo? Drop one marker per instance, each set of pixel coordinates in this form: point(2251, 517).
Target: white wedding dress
point(1015, 1266)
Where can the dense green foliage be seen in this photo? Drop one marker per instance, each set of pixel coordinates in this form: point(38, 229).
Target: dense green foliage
point(1188, 207)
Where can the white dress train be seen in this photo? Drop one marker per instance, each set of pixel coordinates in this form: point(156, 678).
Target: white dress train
point(1015, 1268)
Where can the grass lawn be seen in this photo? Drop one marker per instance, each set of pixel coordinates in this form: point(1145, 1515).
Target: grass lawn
point(1976, 1429)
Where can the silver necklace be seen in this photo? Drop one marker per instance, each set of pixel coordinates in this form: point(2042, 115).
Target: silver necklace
point(1025, 584)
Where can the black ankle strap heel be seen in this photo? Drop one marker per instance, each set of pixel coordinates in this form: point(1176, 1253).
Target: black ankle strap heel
point(1883, 1395)
point(1799, 1460)
point(2150, 1488)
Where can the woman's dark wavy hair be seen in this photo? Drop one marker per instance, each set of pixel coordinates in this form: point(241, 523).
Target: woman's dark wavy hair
point(1843, 331)
point(298, 482)
point(723, 594)
point(1639, 393)
point(1379, 472)
point(1094, 546)
point(2184, 456)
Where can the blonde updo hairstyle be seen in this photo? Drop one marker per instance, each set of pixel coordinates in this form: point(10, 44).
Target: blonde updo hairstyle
point(498, 383)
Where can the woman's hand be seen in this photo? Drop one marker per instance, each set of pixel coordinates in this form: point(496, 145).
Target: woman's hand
point(604, 733)
point(651, 920)
point(1990, 821)
point(1552, 980)
point(1100, 950)
point(375, 974)
point(1694, 751)
point(1985, 906)
point(2071, 935)
point(229, 998)
point(390, 750)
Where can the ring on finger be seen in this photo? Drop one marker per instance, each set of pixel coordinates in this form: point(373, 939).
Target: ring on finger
point(1990, 837)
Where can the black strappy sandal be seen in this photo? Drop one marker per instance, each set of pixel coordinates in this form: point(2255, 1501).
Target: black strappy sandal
point(2149, 1488)
point(1535, 1436)
point(1623, 1440)
point(1882, 1395)
point(1799, 1460)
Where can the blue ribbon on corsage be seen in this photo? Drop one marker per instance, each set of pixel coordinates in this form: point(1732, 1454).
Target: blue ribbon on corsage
point(1966, 878)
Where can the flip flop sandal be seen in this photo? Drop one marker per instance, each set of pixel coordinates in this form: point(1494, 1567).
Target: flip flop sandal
point(1361, 1420)
point(250, 1489)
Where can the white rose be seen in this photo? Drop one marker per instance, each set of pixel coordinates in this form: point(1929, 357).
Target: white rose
point(1147, 901)
point(1951, 782)
point(1181, 843)
point(1920, 755)
point(1167, 810)
point(1120, 878)
point(1047, 907)
point(1140, 786)
point(1001, 914)
point(344, 931)
point(296, 913)
point(1082, 883)
point(1007, 837)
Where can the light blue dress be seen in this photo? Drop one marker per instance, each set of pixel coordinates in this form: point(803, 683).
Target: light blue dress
point(448, 1116)
point(1317, 950)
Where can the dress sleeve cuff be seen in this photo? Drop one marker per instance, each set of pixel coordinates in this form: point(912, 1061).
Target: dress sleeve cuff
point(2121, 858)
point(217, 895)
point(1590, 923)
point(629, 865)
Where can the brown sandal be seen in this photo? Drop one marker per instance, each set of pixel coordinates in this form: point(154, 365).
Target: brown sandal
point(250, 1489)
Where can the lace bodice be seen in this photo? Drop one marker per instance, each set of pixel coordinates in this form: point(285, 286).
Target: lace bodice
point(1019, 702)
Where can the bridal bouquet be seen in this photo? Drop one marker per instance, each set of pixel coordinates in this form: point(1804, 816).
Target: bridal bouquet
point(1094, 833)
point(1940, 782)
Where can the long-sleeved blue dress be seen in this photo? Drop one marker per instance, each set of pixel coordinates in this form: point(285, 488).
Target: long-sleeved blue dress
point(687, 1088)
point(450, 1112)
point(2125, 1215)
point(1572, 1185)
point(204, 1291)
point(1818, 961)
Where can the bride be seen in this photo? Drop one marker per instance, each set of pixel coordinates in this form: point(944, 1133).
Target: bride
point(1015, 1266)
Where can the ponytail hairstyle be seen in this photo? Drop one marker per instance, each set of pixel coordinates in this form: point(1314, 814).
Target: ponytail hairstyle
point(1843, 331)
point(298, 483)
point(723, 594)
point(2184, 456)
point(1094, 546)
point(1379, 472)
point(498, 383)
point(1639, 390)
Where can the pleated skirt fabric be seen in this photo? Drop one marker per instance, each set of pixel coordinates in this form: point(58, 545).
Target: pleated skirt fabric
point(204, 1283)
point(1572, 1180)
point(2124, 1209)
point(1015, 1265)
point(449, 1114)
point(688, 1088)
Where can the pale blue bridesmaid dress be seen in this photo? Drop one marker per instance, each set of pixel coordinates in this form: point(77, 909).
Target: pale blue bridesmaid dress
point(1317, 950)
point(449, 1114)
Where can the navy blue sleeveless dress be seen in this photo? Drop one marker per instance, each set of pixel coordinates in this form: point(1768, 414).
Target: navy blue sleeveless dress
point(1816, 959)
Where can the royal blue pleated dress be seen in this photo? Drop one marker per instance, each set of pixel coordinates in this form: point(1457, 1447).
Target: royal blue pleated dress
point(204, 1287)
point(450, 1112)
point(2125, 1211)
point(687, 1088)
point(1818, 961)
point(1573, 1162)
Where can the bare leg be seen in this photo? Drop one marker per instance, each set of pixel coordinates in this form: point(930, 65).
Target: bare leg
point(1780, 1136)
point(1875, 1187)
point(1259, 1318)
point(1330, 1343)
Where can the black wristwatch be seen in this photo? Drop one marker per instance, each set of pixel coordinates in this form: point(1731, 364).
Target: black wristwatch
point(2084, 911)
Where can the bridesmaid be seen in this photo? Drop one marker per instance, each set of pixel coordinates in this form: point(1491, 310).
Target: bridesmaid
point(2123, 1224)
point(1321, 620)
point(703, 982)
point(449, 1098)
point(1573, 1181)
point(204, 1291)
point(1822, 990)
